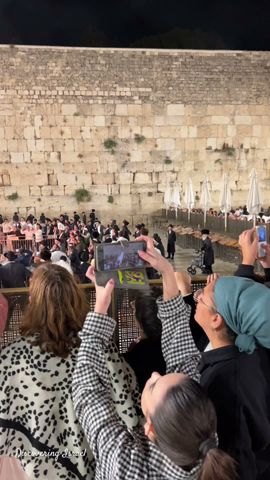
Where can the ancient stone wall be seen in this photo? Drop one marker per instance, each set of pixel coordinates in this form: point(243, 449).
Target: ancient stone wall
point(163, 115)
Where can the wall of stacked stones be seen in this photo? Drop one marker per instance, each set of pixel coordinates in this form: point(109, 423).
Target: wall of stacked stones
point(164, 116)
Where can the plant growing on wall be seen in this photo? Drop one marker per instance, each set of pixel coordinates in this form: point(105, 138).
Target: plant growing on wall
point(110, 145)
point(13, 196)
point(110, 199)
point(150, 194)
point(82, 195)
point(167, 161)
point(139, 138)
point(197, 198)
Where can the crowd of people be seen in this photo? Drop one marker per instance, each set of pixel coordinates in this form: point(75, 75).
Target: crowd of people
point(189, 400)
point(66, 241)
point(239, 213)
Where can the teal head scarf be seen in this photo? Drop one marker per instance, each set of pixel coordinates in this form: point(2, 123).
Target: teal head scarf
point(245, 307)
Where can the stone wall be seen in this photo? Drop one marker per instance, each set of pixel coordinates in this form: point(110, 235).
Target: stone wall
point(173, 115)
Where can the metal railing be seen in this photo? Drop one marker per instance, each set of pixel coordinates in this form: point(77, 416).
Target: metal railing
point(127, 329)
point(14, 243)
point(215, 224)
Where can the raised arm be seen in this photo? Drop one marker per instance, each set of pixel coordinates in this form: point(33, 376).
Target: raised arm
point(178, 347)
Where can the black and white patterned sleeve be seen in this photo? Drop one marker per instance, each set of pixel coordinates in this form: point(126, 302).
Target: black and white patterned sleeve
point(178, 347)
point(117, 453)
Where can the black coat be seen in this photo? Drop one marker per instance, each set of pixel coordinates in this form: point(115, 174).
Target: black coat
point(14, 275)
point(145, 358)
point(207, 248)
point(171, 242)
point(239, 386)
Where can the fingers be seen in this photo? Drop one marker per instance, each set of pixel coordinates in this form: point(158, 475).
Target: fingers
point(109, 287)
point(90, 274)
point(212, 278)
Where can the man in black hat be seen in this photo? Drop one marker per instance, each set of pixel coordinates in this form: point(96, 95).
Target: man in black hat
point(207, 249)
point(171, 242)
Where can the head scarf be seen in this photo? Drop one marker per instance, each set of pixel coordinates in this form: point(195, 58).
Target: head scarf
point(245, 307)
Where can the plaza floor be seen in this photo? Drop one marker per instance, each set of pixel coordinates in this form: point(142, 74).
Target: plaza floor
point(184, 256)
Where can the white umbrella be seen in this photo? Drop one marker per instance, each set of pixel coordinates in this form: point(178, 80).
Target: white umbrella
point(254, 197)
point(175, 200)
point(167, 198)
point(225, 201)
point(189, 197)
point(205, 198)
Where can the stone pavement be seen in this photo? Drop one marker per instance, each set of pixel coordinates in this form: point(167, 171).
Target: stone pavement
point(184, 256)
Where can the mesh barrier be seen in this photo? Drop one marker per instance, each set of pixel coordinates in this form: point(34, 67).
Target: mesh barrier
point(121, 310)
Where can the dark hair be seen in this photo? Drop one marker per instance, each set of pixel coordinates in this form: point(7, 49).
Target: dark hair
point(157, 237)
point(45, 255)
point(182, 423)
point(84, 256)
point(146, 313)
point(144, 231)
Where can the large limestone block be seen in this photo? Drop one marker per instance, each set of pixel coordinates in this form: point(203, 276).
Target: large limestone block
point(99, 190)
point(66, 179)
point(70, 157)
point(123, 178)
point(16, 157)
point(121, 109)
point(35, 191)
point(99, 121)
point(103, 178)
point(53, 157)
point(134, 110)
point(124, 189)
point(220, 120)
point(70, 109)
point(142, 178)
point(83, 178)
point(46, 190)
point(58, 190)
point(242, 120)
point(175, 109)
point(137, 188)
point(165, 144)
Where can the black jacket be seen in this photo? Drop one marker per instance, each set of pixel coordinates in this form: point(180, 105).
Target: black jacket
point(239, 386)
point(207, 248)
point(145, 358)
point(13, 275)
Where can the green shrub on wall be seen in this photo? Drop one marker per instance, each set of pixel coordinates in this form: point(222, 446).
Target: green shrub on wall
point(82, 195)
point(110, 199)
point(110, 145)
point(13, 196)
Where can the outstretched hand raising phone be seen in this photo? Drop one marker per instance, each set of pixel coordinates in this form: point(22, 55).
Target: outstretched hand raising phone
point(103, 294)
point(170, 288)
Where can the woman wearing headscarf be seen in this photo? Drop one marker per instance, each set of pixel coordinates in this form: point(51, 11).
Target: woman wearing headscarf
point(234, 314)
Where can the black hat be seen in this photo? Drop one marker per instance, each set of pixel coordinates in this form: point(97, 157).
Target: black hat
point(205, 231)
point(170, 225)
point(125, 222)
point(10, 256)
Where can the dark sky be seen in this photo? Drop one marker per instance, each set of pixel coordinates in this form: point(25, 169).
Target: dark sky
point(232, 24)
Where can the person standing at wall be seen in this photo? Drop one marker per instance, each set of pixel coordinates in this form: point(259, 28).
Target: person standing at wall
point(171, 242)
point(208, 252)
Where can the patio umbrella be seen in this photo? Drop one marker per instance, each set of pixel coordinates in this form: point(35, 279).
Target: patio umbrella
point(175, 199)
point(254, 197)
point(189, 197)
point(167, 198)
point(225, 202)
point(205, 198)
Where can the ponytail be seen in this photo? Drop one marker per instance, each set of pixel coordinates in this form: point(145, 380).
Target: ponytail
point(218, 465)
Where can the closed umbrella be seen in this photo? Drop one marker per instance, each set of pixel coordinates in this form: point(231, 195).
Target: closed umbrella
point(254, 197)
point(205, 198)
point(225, 201)
point(167, 198)
point(175, 200)
point(189, 197)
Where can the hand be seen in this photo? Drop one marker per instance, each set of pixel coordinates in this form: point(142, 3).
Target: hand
point(153, 257)
point(103, 294)
point(212, 278)
point(265, 261)
point(249, 245)
point(183, 280)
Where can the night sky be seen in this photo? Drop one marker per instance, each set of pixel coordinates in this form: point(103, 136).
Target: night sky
point(213, 24)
